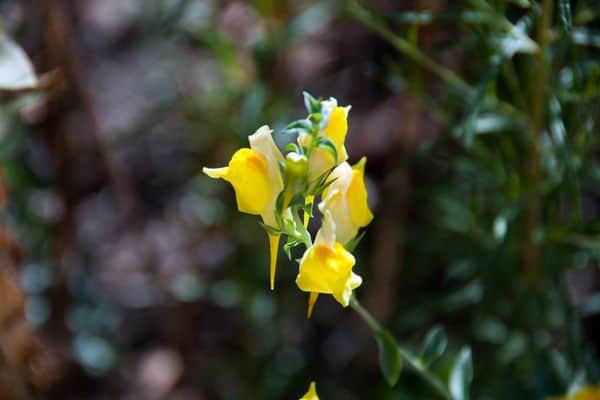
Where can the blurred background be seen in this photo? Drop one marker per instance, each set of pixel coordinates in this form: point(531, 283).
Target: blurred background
point(127, 274)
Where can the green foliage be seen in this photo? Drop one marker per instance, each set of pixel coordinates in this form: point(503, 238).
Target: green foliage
point(434, 345)
point(390, 359)
point(453, 188)
point(461, 375)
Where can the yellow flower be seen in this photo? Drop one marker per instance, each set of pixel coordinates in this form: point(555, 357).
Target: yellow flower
point(312, 393)
point(346, 199)
point(584, 393)
point(335, 129)
point(326, 267)
point(587, 393)
point(256, 179)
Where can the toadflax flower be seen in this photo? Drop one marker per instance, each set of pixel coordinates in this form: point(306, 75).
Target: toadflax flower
point(584, 393)
point(256, 178)
point(326, 266)
point(334, 127)
point(346, 200)
point(312, 393)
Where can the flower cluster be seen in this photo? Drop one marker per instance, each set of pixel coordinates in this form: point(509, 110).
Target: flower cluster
point(282, 187)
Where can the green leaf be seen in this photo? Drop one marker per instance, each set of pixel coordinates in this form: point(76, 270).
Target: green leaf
point(293, 148)
point(565, 14)
point(313, 187)
point(298, 126)
point(289, 245)
point(390, 359)
point(461, 375)
point(312, 105)
point(326, 144)
point(353, 243)
point(316, 117)
point(434, 345)
point(585, 37)
point(16, 71)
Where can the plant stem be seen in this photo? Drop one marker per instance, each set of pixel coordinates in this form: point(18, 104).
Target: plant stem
point(414, 363)
point(530, 250)
point(365, 315)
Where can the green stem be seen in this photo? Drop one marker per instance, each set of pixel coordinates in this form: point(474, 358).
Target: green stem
point(415, 364)
point(373, 324)
point(530, 251)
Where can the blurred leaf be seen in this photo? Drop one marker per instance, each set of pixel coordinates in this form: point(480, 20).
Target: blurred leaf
point(515, 346)
point(565, 14)
point(522, 3)
point(310, 20)
point(390, 359)
point(585, 37)
point(590, 306)
point(434, 345)
point(461, 375)
point(561, 366)
point(16, 71)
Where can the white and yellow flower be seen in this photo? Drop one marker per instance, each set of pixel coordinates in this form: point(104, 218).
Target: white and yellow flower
point(326, 266)
point(256, 178)
point(346, 200)
point(334, 128)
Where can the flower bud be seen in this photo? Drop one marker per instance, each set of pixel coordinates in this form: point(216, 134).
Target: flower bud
point(296, 166)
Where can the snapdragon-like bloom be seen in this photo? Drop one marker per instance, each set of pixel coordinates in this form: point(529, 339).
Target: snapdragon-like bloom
point(326, 266)
point(312, 393)
point(256, 178)
point(346, 200)
point(334, 128)
point(584, 393)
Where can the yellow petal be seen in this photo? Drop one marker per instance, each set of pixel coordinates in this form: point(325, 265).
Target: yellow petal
point(247, 173)
point(346, 199)
point(308, 201)
point(326, 270)
point(343, 291)
point(274, 249)
point(312, 393)
point(357, 196)
point(216, 173)
point(336, 130)
point(312, 299)
point(587, 393)
point(320, 161)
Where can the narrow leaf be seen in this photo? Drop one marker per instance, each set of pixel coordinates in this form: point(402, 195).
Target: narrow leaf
point(390, 360)
point(353, 243)
point(328, 145)
point(434, 345)
point(312, 105)
point(301, 125)
point(565, 14)
point(293, 148)
point(461, 375)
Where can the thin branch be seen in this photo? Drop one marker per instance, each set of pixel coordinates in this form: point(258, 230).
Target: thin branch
point(412, 362)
